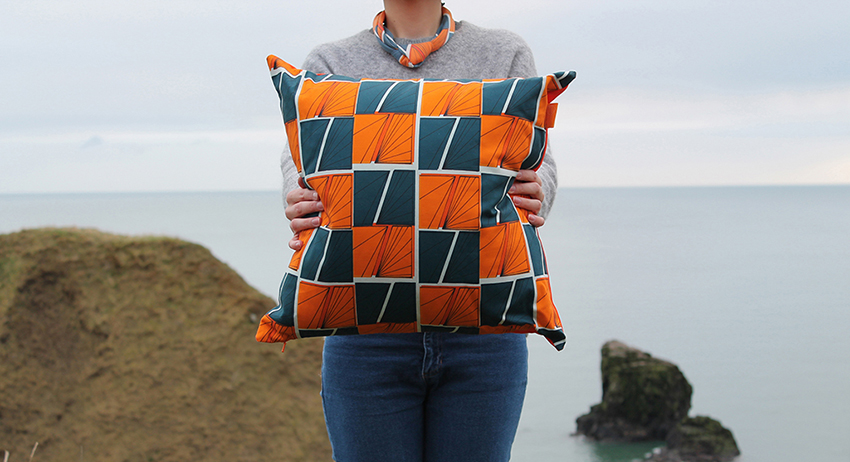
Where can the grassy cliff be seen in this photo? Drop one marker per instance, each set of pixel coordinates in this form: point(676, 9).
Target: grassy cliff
point(118, 348)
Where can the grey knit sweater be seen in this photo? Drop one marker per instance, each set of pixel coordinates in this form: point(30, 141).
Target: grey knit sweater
point(472, 53)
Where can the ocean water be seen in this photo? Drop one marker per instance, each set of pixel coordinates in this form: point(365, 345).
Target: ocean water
point(747, 289)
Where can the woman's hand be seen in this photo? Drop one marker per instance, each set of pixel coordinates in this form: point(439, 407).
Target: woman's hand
point(528, 184)
point(300, 202)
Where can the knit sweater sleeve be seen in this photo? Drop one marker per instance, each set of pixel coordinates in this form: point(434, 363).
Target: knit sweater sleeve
point(548, 174)
point(288, 172)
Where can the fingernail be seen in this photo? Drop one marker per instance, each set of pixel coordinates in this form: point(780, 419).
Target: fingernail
point(315, 221)
point(314, 196)
point(513, 188)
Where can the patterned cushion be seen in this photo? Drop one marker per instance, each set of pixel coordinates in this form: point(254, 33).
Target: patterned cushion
point(419, 233)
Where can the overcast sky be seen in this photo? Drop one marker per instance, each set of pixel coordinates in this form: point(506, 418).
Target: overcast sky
point(156, 95)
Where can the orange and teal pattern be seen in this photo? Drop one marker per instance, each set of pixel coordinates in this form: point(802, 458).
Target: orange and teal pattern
point(414, 54)
point(419, 233)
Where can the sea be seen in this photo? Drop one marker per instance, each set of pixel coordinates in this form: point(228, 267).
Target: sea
point(746, 289)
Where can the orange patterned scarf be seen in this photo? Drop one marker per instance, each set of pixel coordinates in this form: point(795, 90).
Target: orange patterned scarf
point(414, 54)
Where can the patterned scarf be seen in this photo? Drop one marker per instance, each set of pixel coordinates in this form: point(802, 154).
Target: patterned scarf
point(413, 55)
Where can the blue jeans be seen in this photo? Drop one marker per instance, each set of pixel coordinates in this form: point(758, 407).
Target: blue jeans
point(424, 396)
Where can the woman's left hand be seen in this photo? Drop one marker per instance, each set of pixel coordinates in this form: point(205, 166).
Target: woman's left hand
point(528, 184)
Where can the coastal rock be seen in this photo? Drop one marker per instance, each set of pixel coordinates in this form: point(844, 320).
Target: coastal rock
point(117, 348)
point(698, 439)
point(643, 398)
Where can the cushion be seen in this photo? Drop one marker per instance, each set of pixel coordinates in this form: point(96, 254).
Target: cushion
point(419, 233)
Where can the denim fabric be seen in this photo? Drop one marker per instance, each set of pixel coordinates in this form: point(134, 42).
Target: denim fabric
point(423, 397)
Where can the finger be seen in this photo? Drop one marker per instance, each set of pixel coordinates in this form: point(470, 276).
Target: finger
point(528, 175)
point(299, 195)
point(530, 189)
point(303, 208)
point(532, 205)
point(536, 220)
point(295, 243)
point(300, 224)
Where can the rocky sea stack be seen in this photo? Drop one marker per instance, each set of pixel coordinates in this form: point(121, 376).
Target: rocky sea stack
point(643, 397)
point(698, 439)
point(646, 398)
point(132, 349)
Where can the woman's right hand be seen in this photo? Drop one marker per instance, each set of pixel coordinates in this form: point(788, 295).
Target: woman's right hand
point(300, 202)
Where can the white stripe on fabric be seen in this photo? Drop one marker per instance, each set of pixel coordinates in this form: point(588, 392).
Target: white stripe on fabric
point(449, 143)
point(510, 94)
point(380, 105)
point(497, 171)
point(386, 302)
point(508, 305)
point(383, 197)
point(324, 253)
point(416, 192)
point(449, 256)
point(324, 140)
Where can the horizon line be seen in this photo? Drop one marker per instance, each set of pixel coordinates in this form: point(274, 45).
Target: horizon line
point(280, 191)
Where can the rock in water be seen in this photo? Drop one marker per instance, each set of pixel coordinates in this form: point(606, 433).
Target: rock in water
point(643, 397)
point(133, 349)
point(701, 439)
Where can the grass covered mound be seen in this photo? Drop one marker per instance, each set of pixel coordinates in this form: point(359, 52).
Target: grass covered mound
point(118, 348)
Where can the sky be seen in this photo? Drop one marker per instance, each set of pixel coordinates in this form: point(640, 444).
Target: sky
point(156, 95)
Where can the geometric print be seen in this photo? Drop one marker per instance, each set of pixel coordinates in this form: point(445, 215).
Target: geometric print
point(413, 54)
point(418, 232)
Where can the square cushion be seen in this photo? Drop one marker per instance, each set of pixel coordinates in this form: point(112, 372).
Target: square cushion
point(419, 233)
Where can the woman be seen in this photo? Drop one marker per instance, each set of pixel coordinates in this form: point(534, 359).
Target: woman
point(423, 396)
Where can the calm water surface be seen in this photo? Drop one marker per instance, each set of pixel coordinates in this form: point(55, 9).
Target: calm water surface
point(747, 289)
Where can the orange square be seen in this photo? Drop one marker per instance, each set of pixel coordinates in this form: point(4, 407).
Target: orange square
point(505, 141)
point(451, 99)
point(503, 251)
point(547, 315)
point(383, 138)
point(449, 201)
point(335, 192)
point(383, 251)
point(327, 99)
point(325, 307)
point(449, 306)
point(303, 236)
